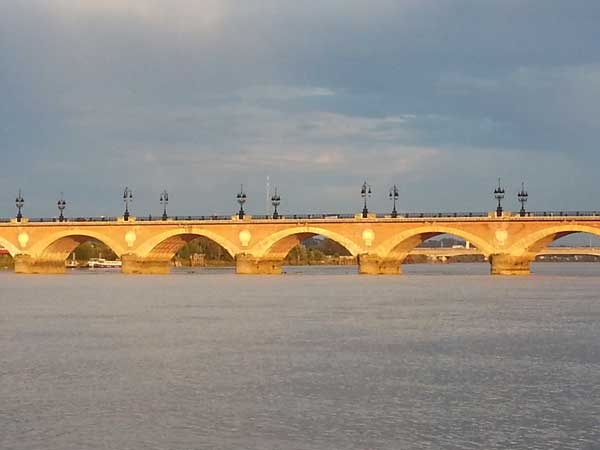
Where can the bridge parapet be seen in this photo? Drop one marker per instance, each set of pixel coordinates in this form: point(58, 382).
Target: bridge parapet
point(534, 215)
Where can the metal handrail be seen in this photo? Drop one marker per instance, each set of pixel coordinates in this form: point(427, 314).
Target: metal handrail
point(441, 215)
point(73, 219)
point(561, 214)
point(159, 218)
point(320, 216)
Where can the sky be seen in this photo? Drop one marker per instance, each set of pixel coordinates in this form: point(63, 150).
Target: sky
point(440, 97)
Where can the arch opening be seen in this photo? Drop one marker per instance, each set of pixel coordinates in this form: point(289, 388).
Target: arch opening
point(434, 248)
point(61, 245)
point(78, 251)
point(554, 237)
point(165, 246)
point(400, 246)
point(279, 245)
point(190, 250)
point(569, 247)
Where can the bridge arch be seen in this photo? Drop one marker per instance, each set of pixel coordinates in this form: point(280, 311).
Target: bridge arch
point(279, 244)
point(61, 244)
point(12, 249)
point(399, 245)
point(534, 243)
point(167, 244)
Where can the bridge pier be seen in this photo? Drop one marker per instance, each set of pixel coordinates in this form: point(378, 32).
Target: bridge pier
point(503, 264)
point(377, 265)
point(135, 265)
point(26, 264)
point(252, 265)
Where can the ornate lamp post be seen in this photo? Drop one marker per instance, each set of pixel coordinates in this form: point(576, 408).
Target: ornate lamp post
point(522, 196)
point(275, 201)
point(127, 197)
point(19, 202)
point(164, 201)
point(499, 195)
point(61, 207)
point(365, 192)
point(241, 199)
point(394, 196)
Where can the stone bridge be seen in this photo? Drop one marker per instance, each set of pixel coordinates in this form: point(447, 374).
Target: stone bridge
point(260, 246)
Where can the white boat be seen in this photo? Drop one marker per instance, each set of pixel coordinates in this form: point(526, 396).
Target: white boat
point(72, 264)
point(101, 263)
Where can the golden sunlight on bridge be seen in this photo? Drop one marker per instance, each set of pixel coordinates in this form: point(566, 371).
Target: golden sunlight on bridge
point(509, 242)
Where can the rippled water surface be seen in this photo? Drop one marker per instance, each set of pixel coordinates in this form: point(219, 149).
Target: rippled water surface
point(442, 357)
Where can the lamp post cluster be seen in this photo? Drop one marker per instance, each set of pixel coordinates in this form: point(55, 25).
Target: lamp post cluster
point(366, 192)
point(20, 202)
point(522, 196)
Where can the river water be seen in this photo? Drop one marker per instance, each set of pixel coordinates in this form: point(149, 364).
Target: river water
point(442, 357)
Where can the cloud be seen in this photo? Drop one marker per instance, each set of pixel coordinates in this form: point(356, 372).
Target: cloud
point(257, 93)
point(440, 97)
point(174, 15)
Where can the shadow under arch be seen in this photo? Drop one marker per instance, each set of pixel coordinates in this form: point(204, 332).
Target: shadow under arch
point(60, 245)
point(399, 245)
point(279, 244)
point(165, 245)
point(12, 249)
point(534, 243)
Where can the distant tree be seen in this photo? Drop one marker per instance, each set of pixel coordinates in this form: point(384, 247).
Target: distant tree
point(204, 246)
point(297, 255)
point(93, 249)
point(332, 248)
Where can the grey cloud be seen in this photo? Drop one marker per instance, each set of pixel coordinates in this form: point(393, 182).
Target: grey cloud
point(440, 96)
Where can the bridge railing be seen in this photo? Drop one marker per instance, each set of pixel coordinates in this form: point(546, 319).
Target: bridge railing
point(400, 215)
point(440, 215)
point(306, 216)
point(151, 218)
point(73, 219)
point(560, 214)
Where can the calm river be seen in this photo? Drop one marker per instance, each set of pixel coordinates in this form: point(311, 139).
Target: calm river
point(442, 357)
